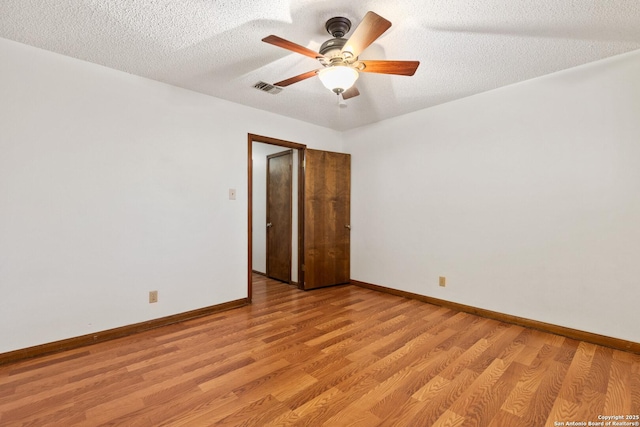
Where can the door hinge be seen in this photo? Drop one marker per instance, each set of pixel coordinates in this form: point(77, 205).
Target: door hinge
point(302, 267)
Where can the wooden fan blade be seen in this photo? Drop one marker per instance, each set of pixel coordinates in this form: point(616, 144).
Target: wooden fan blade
point(286, 44)
point(403, 68)
point(371, 27)
point(297, 78)
point(350, 93)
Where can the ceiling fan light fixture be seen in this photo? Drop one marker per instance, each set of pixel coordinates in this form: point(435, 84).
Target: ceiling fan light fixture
point(338, 78)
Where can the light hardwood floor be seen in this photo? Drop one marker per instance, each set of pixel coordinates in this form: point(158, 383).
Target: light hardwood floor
point(337, 357)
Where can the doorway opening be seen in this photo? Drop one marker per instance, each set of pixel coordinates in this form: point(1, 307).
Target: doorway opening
point(320, 238)
point(275, 246)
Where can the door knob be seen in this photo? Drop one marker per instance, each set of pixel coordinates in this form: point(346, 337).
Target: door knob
point(269, 224)
point(348, 226)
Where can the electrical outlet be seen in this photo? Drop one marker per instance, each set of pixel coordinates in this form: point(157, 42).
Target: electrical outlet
point(153, 297)
point(442, 281)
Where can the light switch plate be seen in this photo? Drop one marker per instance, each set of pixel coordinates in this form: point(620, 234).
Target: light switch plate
point(232, 194)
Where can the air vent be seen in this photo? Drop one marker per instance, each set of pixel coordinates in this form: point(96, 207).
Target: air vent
point(269, 88)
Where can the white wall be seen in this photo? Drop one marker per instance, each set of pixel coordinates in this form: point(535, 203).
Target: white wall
point(259, 244)
point(112, 185)
point(526, 198)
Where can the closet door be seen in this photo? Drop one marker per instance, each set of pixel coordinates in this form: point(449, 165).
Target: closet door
point(327, 196)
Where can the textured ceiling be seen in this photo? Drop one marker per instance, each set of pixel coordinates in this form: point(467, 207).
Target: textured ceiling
point(214, 47)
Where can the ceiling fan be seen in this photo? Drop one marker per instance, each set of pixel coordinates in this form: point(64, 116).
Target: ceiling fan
point(339, 56)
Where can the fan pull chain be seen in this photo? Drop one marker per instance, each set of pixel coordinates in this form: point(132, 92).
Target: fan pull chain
point(341, 102)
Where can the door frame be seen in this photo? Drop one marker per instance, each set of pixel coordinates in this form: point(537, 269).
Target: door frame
point(251, 138)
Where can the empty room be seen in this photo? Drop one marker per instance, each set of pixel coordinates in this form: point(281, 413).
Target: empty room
point(408, 213)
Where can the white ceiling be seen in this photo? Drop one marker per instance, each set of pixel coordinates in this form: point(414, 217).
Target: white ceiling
point(214, 46)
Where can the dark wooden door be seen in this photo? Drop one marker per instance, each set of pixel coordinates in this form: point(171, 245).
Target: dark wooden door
point(279, 205)
point(327, 194)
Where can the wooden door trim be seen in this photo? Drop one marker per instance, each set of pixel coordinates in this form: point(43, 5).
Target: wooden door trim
point(251, 138)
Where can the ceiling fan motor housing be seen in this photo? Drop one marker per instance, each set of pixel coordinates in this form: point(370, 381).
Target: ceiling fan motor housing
point(332, 47)
point(337, 27)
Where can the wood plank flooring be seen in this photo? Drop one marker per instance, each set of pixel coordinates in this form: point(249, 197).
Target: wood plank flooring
point(341, 356)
